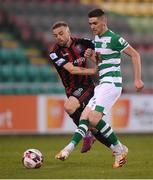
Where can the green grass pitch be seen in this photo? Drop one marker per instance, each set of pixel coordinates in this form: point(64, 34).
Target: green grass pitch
point(96, 164)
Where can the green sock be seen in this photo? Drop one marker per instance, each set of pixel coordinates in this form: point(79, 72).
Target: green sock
point(80, 131)
point(107, 132)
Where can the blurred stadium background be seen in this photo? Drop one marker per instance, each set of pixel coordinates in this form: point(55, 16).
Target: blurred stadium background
point(32, 96)
point(27, 77)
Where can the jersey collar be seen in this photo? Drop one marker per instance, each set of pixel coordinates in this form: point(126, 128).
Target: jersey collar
point(103, 34)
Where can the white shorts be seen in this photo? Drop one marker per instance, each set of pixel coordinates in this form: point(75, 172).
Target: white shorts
point(105, 95)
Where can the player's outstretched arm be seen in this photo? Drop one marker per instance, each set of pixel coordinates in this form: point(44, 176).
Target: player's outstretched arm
point(136, 60)
point(79, 70)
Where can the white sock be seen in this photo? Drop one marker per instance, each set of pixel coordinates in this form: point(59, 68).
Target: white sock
point(88, 133)
point(118, 147)
point(112, 147)
point(70, 147)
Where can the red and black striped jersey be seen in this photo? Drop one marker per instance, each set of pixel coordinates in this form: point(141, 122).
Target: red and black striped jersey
point(75, 54)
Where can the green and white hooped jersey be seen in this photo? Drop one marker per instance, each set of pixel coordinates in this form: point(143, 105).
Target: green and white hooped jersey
point(109, 47)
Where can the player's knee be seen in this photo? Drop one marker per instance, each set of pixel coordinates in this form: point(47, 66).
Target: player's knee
point(95, 117)
point(70, 109)
point(71, 105)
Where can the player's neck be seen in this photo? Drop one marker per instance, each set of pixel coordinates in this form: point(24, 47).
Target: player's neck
point(69, 42)
point(104, 30)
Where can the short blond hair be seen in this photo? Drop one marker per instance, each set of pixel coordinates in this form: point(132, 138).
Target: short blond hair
point(59, 24)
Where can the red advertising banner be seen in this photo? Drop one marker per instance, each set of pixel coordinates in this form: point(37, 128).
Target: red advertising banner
point(18, 114)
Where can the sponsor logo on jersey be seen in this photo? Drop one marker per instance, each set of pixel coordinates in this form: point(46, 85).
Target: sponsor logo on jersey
point(105, 40)
point(53, 56)
point(104, 45)
point(77, 93)
point(79, 60)
point(60, 61)
point(122, 41)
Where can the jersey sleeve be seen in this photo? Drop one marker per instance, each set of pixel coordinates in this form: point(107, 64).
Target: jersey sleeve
point(88, 43)
point(57, 60)
point(119, 43)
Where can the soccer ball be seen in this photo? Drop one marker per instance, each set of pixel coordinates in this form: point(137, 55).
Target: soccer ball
point(32, 158)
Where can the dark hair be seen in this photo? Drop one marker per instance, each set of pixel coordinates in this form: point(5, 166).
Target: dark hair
point(96, 13)
point(59, 24)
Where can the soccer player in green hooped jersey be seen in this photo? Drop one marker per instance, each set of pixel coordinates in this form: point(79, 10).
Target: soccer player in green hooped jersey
point(108, 48)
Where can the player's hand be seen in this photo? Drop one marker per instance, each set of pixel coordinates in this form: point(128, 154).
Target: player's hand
point(139, 85)
point(93, 70)
point(98, 58)
point(88, 53)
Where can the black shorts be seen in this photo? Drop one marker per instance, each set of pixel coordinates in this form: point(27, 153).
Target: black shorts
point(83, 94)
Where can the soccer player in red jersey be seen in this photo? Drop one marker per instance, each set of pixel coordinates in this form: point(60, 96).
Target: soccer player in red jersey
point(67, 56)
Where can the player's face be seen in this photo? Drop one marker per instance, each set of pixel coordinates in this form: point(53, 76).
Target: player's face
point(62, 35)
point(97, 25)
